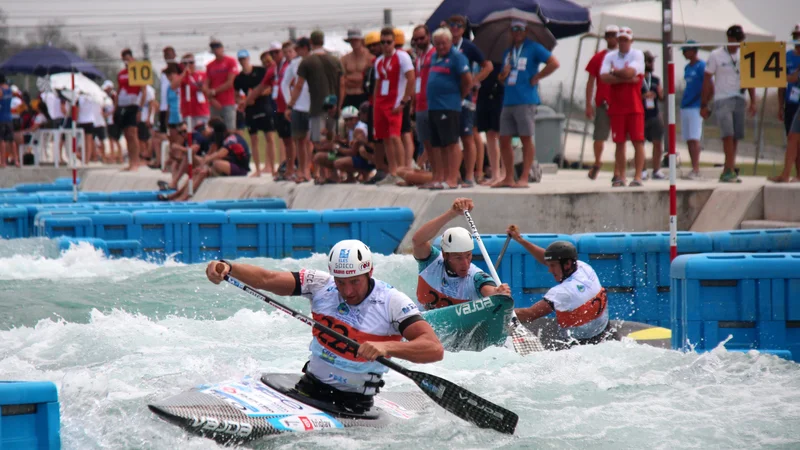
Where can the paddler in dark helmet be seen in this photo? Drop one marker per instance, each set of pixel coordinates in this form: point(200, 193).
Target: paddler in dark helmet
point(447, 276)
point(579, 300)
point(348, 300)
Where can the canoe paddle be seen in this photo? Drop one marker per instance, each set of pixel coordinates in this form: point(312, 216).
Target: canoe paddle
point(444, 393)
point(524, 342)
point(502, 251)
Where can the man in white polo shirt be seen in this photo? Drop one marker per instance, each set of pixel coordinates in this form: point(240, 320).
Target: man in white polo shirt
point(729, 100)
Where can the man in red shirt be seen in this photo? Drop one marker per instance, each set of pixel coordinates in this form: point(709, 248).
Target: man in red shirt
point(194, 105)
point(218, 86)
point(623, 69)
point(421, 39)
point(128, 103)
point(394, 88)
point(599, 112)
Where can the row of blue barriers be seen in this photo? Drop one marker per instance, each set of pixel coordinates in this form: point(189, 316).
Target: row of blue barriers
point(60, 184)
point(18, 220)
point(30, 415)
point(201, 235)
point(634, 267)
point(747, 300)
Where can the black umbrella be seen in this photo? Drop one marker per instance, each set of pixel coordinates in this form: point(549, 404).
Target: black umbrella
point(493, 36)
point(43, 61)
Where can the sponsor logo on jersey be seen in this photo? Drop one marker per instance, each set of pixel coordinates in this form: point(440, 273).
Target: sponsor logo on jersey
point(343, 309)
point(409, 308)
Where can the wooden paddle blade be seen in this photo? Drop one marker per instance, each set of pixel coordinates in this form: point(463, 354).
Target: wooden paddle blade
point(464, 403)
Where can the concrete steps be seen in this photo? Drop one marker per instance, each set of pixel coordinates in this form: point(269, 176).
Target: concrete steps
point(768, 224)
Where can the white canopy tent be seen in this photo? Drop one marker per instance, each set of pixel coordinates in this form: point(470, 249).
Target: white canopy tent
point(704, 21)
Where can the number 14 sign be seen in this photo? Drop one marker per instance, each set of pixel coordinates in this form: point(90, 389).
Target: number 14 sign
point(763, 64)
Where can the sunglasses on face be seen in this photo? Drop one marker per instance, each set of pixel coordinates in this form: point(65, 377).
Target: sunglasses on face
point(517, 29)
point(387, 42)
point(418, 39)
point(456, 25)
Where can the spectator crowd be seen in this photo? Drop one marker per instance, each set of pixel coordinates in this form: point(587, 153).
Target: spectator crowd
point(388, 114)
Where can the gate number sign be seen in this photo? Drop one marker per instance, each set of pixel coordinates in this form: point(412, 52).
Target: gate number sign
point(763, 64)
point(140, 73)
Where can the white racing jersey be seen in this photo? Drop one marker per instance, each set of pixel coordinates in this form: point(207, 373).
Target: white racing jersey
point(580, 303)
point(378, 319)
point(437, 289)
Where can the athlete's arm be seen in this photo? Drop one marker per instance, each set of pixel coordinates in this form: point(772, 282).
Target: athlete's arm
point(535, 251)
point(488, 290)
point(539, 309)
point(422, 238)
point(486, 68)
point(280, 283)
point(421, 345)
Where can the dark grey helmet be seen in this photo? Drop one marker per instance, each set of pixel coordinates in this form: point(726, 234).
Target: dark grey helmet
point(560, 250)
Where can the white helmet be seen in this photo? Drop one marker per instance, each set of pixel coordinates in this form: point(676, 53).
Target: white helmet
point(457, 240)
point(349, 258)
point(349, 112)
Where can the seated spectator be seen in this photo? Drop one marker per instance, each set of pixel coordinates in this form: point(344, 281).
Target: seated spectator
point(359, 162)
point(231, 158)
point(334, 148)
point(31, 119)
point(179, 152)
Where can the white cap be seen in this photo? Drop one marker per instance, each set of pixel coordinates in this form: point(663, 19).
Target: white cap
point(14, 89)
point(612, 29)
point(519, 23)
point(796, 29)
point(625, 32)
point(349, 112)
point(107, 85)
point(457, 240)
point(349, 258)
point(275, 45)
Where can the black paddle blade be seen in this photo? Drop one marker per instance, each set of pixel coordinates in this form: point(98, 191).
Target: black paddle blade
point(464, 403)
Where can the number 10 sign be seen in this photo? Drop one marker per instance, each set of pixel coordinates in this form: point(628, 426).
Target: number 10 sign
point(763, 64)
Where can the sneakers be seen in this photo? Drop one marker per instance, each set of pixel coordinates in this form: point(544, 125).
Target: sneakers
point(379, 176)
point(389, 180)
point(729, 177)
point(645, 175)
point(694, 176)
point(659, 175)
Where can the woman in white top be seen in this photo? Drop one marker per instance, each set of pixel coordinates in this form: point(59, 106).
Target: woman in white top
point(86, 107)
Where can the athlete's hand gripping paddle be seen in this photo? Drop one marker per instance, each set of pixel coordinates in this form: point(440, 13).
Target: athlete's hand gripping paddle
point(524, 342)
point(444, 393)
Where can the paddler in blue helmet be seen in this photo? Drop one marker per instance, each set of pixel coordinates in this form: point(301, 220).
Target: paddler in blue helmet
point(447, 276)
point(348, 300)
point(579, 300)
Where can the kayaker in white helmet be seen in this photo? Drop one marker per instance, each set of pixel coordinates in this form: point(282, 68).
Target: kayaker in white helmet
point(579, 300)
point(447, 276)
point(348, 300)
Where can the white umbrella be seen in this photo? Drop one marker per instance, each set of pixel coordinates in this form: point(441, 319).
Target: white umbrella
point(493, 35)
point(83, 85)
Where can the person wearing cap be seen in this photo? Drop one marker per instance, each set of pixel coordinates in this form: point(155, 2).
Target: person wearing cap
point(579, 300)
point(691, 120)
point(409, 147)
point(480, 68)
point(721, 84)
point(218, 85)
point(597, 106)
point(521, 76)
point(373, 42)
point(334, 148)
point(257, 109)
point(358, 163)
point(624, 70)
point(164, 85)
point(355, 64)
point(194, 106)
point(652, 93)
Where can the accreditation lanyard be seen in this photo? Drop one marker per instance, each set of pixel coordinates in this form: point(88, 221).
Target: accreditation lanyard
point(515, 55)
point(648, 82)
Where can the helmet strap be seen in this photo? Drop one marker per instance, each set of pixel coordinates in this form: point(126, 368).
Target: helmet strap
point(447, 269)
point(567, 272)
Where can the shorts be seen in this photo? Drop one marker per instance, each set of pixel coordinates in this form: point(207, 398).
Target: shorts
point(423, 127)
point(444, 127)
point(227, 114)
point(466, 121)
point(163, 119)
point(316, 124)
point(360, 163)
point(100, 133)
point(405, 127)
point(729, 114)
point(789, 111)
point(627, 127)
point(602, 124)
point(6, 132)
point(240, 121)
point(198, 120)
point(114, 132)
point(88, 128)
point(691, 124)
point(355, 100)
point(238, 171)
point(387, 124)
point(128, 116)
point(259, 122)
point(487, 113)
point(300, 124)
point(795, 128)
point(17, 123)
point(518, 120)
point(283, 126)
point(654, 129)
point(143, 131)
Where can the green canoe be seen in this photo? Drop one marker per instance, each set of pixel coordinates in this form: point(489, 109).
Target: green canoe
point(473, 325)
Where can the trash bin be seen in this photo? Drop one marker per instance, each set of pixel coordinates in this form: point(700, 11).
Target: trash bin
point(549, 134)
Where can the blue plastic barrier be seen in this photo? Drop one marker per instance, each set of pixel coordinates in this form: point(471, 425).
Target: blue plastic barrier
point(62, 223)
point(610, 255)
point(124, 249)
point(66, 197)
point(208, 233)
point(532, 277)
point(42, 187)
point(142, 206)
point(13, 222)
point(293, 233)
point(8, 191)
point(382, 229)
point(112, 225)
point(65, 181)
point(164, 233)
point(64, 243)
point(755, 298)
point(247, 203)
point(18, 199)
point(35, 209)
point(759, 241)
point(248, 230)
point(30, 415)
point(134, 196)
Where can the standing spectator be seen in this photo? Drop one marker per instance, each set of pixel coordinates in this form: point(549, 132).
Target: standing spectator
point(602, 123)
point(147, 100)
point(487, 120)
point(86, 112)
point(6, 124)
point(195, 106)
point(281, 56)
point(623, 69)
point(788, 105)
point(729, 102)
point(521, 76)
point(373, 42)
point(128, 103)
point(174, 118)
point(114, 131)
point(458, 25)
point(218, 85)
point(354, 65)
point(257, 110)
point(422, 41)
point(323, 72)
point(164, 86)
point(271, 65)
point(652, 93)
point(409, 147)
point(99, 133)
point(691, 121)
point(297, 108)
point(449, 82)
point(394, 84)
